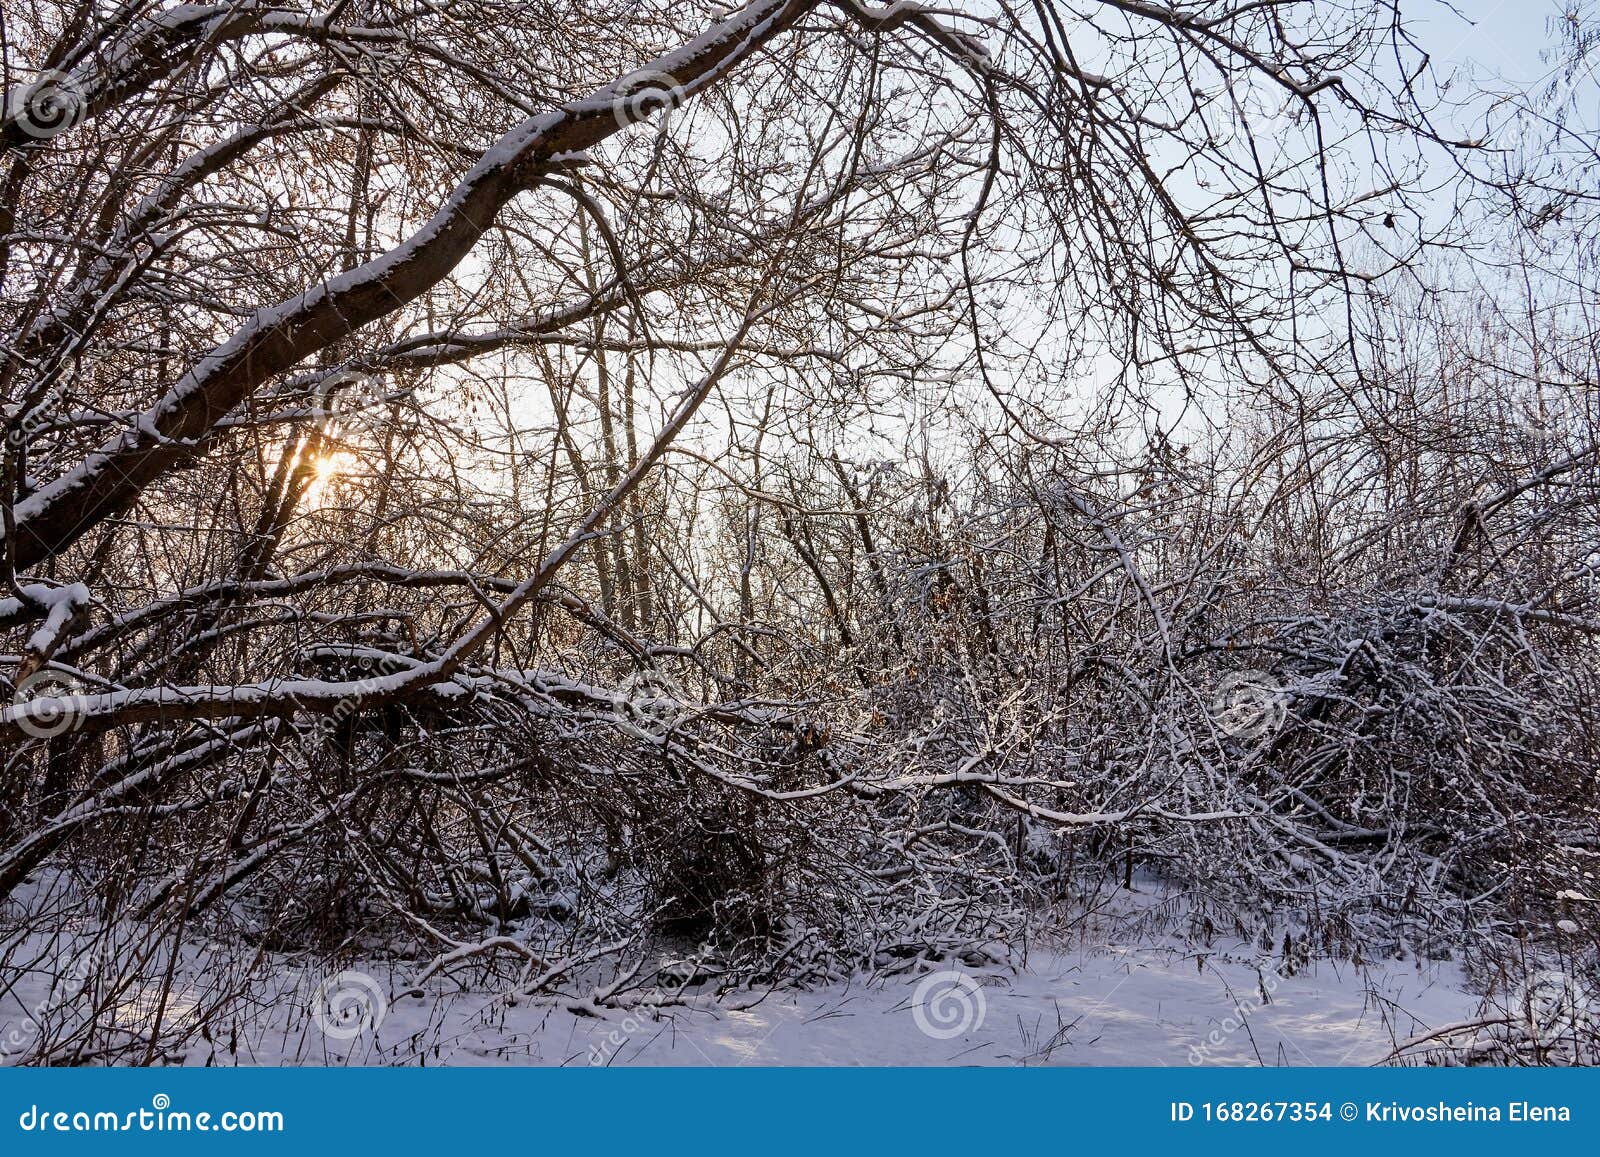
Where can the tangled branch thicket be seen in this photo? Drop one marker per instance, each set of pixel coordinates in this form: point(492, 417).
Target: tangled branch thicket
point(502, 485)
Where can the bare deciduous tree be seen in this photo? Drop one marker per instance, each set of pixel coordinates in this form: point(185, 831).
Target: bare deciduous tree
point(784, 474)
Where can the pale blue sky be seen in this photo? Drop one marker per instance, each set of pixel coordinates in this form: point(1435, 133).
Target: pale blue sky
point(1504, 37)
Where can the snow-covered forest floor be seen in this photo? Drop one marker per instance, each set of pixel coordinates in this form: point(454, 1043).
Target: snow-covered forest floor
point(1109, 991)
point(1111, 1004)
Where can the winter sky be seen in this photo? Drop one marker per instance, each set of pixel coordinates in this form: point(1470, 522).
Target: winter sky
point(1502, 37)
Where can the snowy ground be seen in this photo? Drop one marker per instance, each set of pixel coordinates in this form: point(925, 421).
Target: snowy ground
point(1111, 999)
point(1105, 1007)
